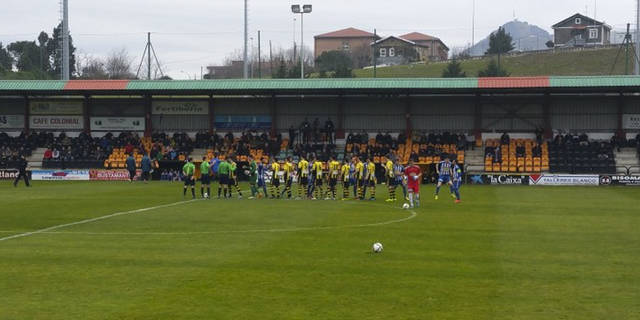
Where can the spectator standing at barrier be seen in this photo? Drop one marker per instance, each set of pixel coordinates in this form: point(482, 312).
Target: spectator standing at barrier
point(305, 127)
point(22, 172)
point(330, 129)
point(292, 137)
point(146, 168)
point(131, 167)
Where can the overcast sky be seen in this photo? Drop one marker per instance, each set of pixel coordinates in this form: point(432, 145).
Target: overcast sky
point(189, 34)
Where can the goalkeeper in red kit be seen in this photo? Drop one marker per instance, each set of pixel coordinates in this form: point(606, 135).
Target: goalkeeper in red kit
point(414, 176)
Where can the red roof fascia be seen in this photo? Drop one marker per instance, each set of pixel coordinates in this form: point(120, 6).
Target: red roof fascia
point(515, 82)
point(96, 85)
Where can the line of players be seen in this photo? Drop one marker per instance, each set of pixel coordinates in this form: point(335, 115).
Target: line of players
point(354, 174)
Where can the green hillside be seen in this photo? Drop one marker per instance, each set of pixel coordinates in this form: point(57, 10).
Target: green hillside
point(576, 63)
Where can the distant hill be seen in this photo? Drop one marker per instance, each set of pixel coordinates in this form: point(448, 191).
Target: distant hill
point(550, 63)
point(526, 37)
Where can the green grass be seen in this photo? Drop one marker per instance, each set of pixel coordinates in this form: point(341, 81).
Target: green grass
point(578, 63)
point(504, 253)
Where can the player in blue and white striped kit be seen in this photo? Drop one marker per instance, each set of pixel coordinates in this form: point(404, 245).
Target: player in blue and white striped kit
point(457, 181)
point(445, 171)
point(262, 171)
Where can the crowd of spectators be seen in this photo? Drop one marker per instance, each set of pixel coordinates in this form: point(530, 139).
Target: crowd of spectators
point(12, 148)
point(313, 132)
point(170, 147)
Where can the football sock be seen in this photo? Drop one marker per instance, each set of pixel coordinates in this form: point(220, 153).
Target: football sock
point(411, 199)
point(451, 189)
point(417, 200)
point(404, 190)
point(373, 192)
point(219, 191)
point(392, 193)
point(202, 191)
point(184, 192)
point(209, 191)
point(457, 194)
point(345, 191)
point(437, 190)
point(193, 192)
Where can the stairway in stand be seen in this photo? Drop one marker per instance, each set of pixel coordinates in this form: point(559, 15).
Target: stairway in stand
point(35, 160)
point(627, 158)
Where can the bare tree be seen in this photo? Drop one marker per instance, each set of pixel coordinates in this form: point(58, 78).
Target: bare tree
point(91, 68)
point(118, 65)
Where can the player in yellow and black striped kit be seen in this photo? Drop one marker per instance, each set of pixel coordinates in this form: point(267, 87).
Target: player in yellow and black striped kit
point(317, 171)
point(391, 178)
point(359, 177)
point(344, 174)
point(371, 180)
point(334, 174)
point(303, 178)
point(275, 179)
point(287, 168)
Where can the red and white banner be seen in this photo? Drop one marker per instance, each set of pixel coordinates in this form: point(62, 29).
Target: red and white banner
point(60, 175)
point(111, 175)
point(564, 180)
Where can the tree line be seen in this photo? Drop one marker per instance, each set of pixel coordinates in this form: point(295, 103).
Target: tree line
point(41, 59)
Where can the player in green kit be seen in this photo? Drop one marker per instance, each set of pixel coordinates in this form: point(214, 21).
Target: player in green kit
point(205, 178)
point(253, 177)
point(223, 177)
point(188, 170)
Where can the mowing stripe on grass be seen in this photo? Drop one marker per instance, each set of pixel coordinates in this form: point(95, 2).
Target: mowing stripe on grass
point(376, 224)
point(49, 229)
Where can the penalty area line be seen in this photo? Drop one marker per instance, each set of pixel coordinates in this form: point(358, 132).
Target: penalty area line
point(60, 226)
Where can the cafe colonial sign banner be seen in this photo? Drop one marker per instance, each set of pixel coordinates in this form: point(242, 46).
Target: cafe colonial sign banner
point(180, 107)
point(56, 122)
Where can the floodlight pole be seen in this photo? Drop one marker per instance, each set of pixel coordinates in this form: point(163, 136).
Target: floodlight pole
point(637, 62)
point(302, 45)
point(246, 40)
point(65, 40)
point(301, 10)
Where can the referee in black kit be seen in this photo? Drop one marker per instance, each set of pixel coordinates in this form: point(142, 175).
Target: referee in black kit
point(22, 172)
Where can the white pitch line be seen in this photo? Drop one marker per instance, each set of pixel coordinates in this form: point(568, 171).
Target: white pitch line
point(49, 229)
point(384, 223)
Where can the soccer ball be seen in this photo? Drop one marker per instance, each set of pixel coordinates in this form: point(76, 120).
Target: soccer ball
point(405, 206)
point(377, 247)
point(206, 195)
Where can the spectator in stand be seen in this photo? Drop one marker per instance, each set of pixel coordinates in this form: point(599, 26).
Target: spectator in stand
point(520, 151)
point(292, 137)
point(305, 128)
point(330, 130)
point(316, 130)
point(504, 139)
point(48, 154)
point(537, 151)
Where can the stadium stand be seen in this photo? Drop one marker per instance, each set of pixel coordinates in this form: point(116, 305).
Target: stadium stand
point(507, 155)
point(11, 148)
point(577, 154)
point(423, 148)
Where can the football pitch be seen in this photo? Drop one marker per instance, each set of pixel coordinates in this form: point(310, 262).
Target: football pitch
point(91, 250)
